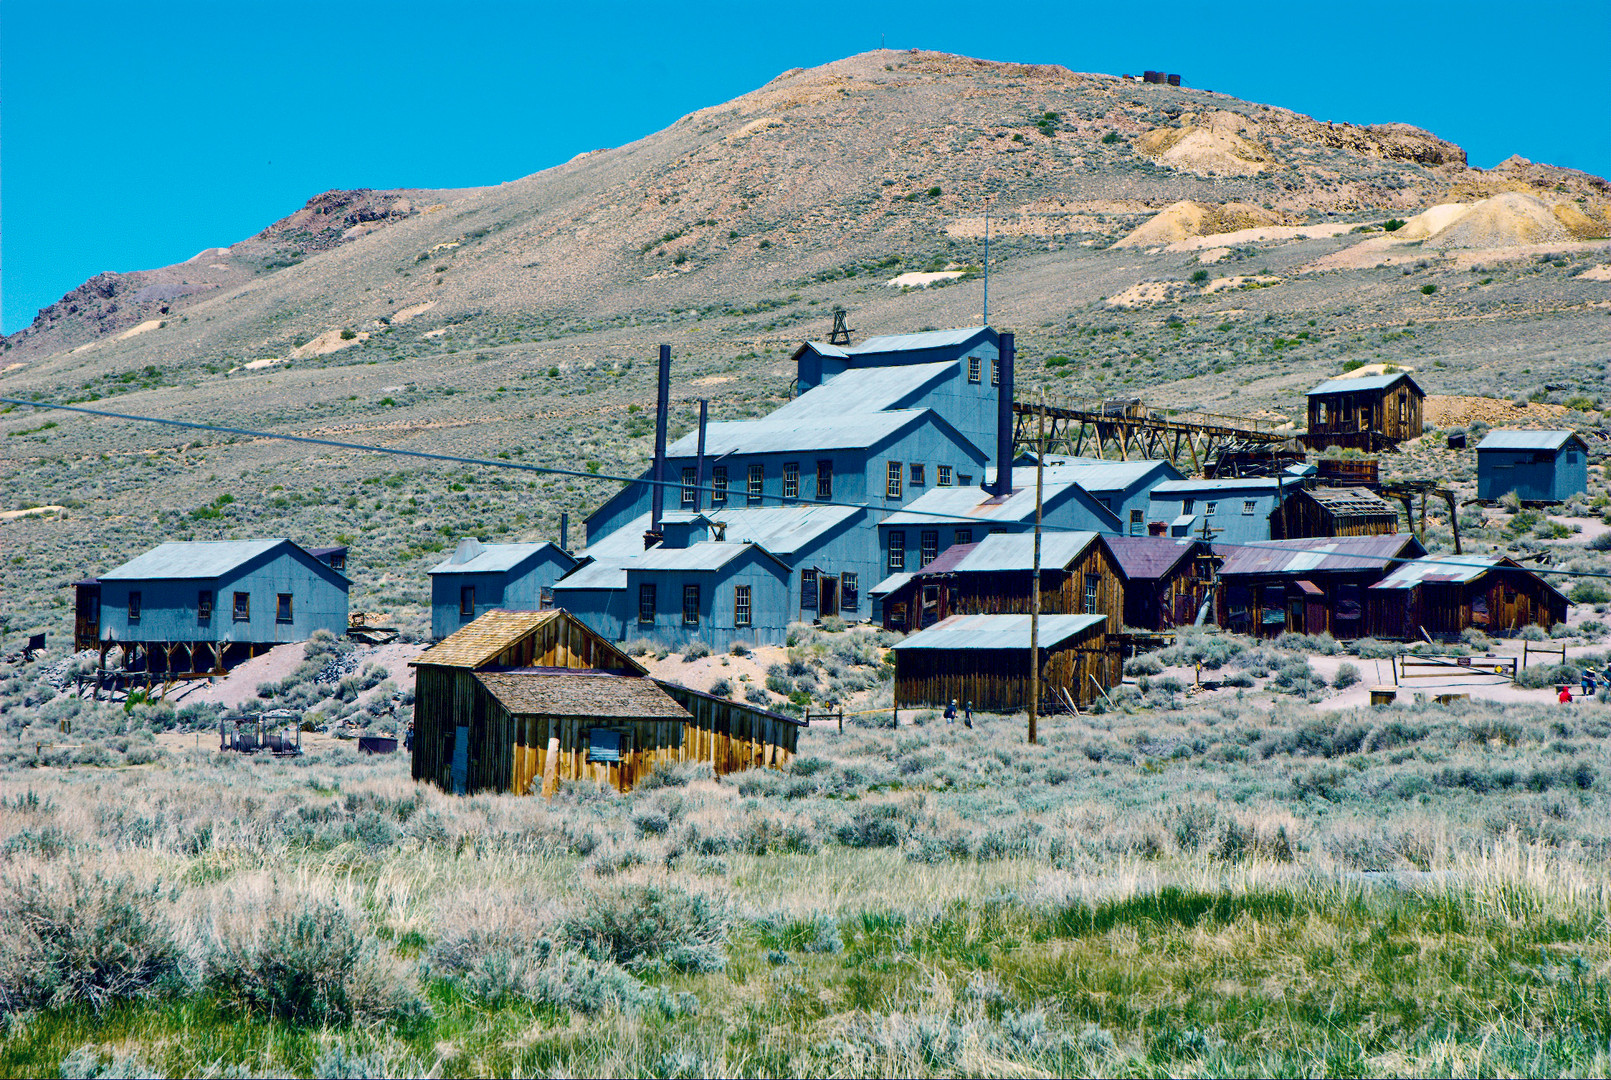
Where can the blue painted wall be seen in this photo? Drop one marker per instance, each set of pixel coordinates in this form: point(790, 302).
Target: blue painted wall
point(1072, 508)
point(769, 614)
point(1237, 514)
point(1535, 475)
point(168, 606)
point(517, 589)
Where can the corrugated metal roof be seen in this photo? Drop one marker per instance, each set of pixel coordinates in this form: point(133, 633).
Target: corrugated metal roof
point(888, 343)
point(495, 558)
point(889, 585)
point(607, 557)
point(1319, 554)
point(1097, 475)
point(1527, 440)
point(1266, 485)
point(1369, 382)
point(191, 559)
point(782, 530)
point(1016, 551)
point(999, 632)
point(479, 642)
point(1147, 558)
point(705, 555)
point(1450, 568)
point(769, 435)
point(948, 559)
point(861, 390)
point(975, 504)
point(591, 694)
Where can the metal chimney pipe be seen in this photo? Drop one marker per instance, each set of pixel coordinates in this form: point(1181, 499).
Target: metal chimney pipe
point(565, 531)
point(662, 407)
point(699, 458)
point(1004, 417)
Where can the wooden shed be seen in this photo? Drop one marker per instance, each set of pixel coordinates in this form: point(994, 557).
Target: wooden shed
point(1306, 586)
point(1165, 579)
point(1541, 467)
point(520, 697)
point(1443, 595)
point(1335, 511)
point(993, 576)
point(1371, 413)
point(984, 659)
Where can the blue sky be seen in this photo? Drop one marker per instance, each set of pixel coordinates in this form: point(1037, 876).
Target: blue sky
point(133, 135)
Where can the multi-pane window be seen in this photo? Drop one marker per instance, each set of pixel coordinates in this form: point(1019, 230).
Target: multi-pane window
point(916, 475)
point(282, 607)
point(690, 605)
point(204, 606)
point(929, 546)
point(897, 551)
point(1093, 582)
point(944, 477)
point(791, 479)
point(467, 601)
point(243, 607)
point(741, 605)
point(995, 372)
point(824, 480)
point(718, 485)
point(338, 561)
point(973, 369)
point(1186, 505)
point(1138, 523)
point(964, 536)
point(1209, 508)
point(892, 479)
point(757, 480)
point(849, 591)
point(690, 487)
point(645, 603)
point(134, 606)
point(808, 590)
point(1247, 506)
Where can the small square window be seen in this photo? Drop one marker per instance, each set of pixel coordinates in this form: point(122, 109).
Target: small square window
point(243, 607)
point(1138, 523)
point(995, 372)
point(944, 477)
point(916, 475)
point(282, 607)
point(1209, 508)
point(964, 479)
point(892, 480)
point(467, 601)
point(964, 536)
point(646, 600)
point(690, 605)
point(791, 479)
point(134, 607)
point(1247, 506)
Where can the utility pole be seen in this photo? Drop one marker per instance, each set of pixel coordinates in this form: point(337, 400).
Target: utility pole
point(1034, 577)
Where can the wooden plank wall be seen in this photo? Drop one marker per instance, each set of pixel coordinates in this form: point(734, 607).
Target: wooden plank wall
point(997, 680)
point(1062, 592)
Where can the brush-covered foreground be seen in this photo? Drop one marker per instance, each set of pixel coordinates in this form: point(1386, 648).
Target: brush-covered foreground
point(1252, 889)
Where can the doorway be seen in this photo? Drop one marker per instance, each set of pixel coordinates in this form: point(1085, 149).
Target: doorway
point(828, 596)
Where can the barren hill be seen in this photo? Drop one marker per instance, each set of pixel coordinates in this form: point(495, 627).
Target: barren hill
point(513, 319)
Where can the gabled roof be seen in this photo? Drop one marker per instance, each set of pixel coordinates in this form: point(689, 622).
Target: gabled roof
point(1333, 553)
point(782, 530)
point(1094, 474)
point(1016, 552)
point(1453, 569)
point(863, 390)
point(483, 639)
point(495, 558)
point(961, 632)
point(1529, 440)
point(602, 564)
point(192, 559)
point(707, 555)
point(967, 504)
point(770, 435)
point(596, 694)
point(1148, 558)
point(948, 559)
point(1352, 501)
point(1369, 382)
point(890, 343)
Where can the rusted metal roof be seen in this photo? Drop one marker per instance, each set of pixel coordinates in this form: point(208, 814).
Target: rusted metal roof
point(484, 639)
point(1442, 568)
point(583, 694)
point(1352, 502)
point(948, 559)
point(1322, 554)
point(1148, 558)
point(998, 632)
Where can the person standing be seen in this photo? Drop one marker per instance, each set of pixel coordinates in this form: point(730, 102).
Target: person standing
point(951, 712)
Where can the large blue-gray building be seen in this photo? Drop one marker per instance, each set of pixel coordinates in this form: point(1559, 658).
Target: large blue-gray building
point(1123, 487)
point(1539, 466)
point(1234, 511)
point(478, 578)
point(195, 605)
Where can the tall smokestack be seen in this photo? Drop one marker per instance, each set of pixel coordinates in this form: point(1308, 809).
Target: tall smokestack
point(1004, 417)
point(565, 531)
point(662, 407)
point(699, 459)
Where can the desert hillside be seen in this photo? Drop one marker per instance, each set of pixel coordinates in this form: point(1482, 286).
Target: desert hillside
point(1167, 242)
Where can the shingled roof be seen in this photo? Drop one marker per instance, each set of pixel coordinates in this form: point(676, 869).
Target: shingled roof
point(484, 639)
point(592, 694)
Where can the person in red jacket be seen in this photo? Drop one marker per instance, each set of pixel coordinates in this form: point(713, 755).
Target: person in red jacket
point(1566, 695)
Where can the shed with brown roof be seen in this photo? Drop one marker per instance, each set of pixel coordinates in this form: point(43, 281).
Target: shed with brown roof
point(1306, 586)
point(1335, 511)
point(519, 701)
point(1165, 579)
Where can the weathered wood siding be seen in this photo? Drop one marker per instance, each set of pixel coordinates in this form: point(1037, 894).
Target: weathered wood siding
point(1306, 518)
point(1170, 601)
point(1496, 602)
point(997, 680)
point(925, 601)
point(1393, 412)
